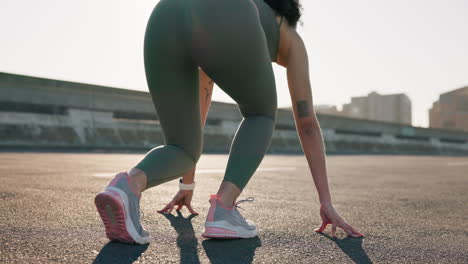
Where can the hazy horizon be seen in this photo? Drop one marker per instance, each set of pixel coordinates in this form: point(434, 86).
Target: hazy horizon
point(417, 48)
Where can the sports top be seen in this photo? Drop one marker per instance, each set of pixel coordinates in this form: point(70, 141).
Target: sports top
point(270, 27)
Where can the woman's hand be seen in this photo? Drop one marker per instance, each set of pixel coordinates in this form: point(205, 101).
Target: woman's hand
point(330, 216)
point(180, 199)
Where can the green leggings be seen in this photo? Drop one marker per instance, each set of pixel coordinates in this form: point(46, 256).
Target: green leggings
point(225, 39)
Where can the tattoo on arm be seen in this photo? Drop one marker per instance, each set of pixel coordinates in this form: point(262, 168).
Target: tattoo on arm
point(302, 109)
point(208, 94)
point(207, 90)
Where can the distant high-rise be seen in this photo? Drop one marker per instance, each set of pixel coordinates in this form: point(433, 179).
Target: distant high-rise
point(327, 109)
point(451, 111)
point(395, 108)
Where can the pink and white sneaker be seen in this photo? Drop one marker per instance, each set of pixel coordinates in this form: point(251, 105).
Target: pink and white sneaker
point(223, 222)
point(119, 208)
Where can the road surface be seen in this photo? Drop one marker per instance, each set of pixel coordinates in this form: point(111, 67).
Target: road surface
point(412, 210)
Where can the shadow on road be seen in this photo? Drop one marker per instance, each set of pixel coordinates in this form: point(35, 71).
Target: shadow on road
point(352, 247)
point(239, 251)
point(120, 253)
point(186, 240)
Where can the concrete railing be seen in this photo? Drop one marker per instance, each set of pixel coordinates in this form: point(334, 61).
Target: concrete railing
point(99, 130)
point(42, 113)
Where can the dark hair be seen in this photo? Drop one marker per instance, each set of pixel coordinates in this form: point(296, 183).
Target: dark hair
point(289, 9)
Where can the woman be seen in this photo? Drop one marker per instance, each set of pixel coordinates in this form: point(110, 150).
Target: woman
point(234, 42)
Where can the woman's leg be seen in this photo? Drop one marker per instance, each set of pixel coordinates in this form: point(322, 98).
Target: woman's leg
point(233, 52)
point(172, 79)
point(173, 83)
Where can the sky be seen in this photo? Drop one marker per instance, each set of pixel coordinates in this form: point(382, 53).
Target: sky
point(417, 47)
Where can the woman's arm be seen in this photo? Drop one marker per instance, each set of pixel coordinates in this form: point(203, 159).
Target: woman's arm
point(206, 90)
point(294, 57)
point(307, 125)
point(184, 198)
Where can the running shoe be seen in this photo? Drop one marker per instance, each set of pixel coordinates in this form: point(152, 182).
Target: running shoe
point(223, 222)
point(119, 209)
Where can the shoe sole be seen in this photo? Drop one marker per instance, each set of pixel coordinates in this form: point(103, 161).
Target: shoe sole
point(112, 205)
point(113, 216)
point(220, 233)
point(223, 230)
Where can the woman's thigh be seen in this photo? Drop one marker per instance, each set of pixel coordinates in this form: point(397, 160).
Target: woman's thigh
point(172, 78)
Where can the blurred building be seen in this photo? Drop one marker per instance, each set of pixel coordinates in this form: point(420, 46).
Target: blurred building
point(451, 111)
point(327, 110)
point(39, 113)
point(394, 108)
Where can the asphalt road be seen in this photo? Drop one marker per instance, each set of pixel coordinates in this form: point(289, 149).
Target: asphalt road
point(412, 210)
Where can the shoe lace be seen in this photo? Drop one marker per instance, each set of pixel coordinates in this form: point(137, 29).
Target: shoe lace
point(250, 199)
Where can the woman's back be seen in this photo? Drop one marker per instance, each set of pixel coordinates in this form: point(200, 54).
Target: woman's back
point(204, 16)
point(270, 27)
